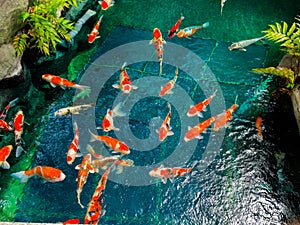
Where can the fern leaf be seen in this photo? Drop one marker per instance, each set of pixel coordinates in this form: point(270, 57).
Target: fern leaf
point(278, 27)
point(284, 28)
point(291, 30)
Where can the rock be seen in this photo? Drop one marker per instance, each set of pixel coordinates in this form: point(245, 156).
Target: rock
point(296, 105)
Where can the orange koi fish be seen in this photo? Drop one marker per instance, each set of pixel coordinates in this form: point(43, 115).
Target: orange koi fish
point(71, 221)
point(4, 153)
point(108, 122)
point(5, 110)
point(258, 127)
point(121, 163)
point(165, 173)
point(222, 5)
point(105, 4)
point(73, 149)
point(189, 31)
point(175, 28)
point(198, 129)
point(5, 126)
point(85, 167)
point(18, 125)
point(63, 83)
point(48, 173)
point(158, 43)
point(197, 109)
point(94, 210)
point(116, 145)
point(223, 118)
point(165, 128)
point(125, 83)
point(94, 33)
point(167, 89)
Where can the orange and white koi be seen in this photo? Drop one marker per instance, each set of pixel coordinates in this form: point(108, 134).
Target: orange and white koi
point(223, 118)
point(85, 167)
point(5, 126)
point(94, 33)
point(201, 106)
point(175, 28)
point(165, 128)
point(5, 110)
point(189, 31)
point(94, 209)
point(222, 5)
point(48, 173)
point(165, 173)
point(125, 83)
point(121, 163)
point(167, 89)
point(73, 149)
point(114, 144)
point(258, 127)
point(71, 221)
point(62, 82)
point(198, 129)
point(105, 4)
point(4, 153)
point(72, 110)
point(18, 130)
point(108, 121)
point(158, 43)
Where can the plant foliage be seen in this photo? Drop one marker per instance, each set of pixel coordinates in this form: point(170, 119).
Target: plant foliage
point(43, 26)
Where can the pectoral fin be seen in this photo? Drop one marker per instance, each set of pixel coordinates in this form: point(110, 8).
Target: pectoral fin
point(199, 137)
point(5, 165)
point(170, 133)
point(116, 86)
point(164, 180)
point(52, 85)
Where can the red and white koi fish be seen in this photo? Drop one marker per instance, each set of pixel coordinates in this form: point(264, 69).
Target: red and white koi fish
point(125, 83)
point(5, 110)
point(167, 89)
point(121, 163)
point(223, 118)
point(85, 167)
point(165, 128)
point(18, 130)
point(116, 145)
point(105, 4)
point(73, 149)
point(4, 153)
point(62, 82)
point(71, 221)
point(158, 43)
point(201, 106)
point(165, 173)
point(108, 121)
point(222, 5)
point(48, 173)
point(94, 209)
point(94, 33)
point(72, 110)
point(175, 28)
point(258, 123)
point(5, 126)
point(198, 129)
point(189, 31)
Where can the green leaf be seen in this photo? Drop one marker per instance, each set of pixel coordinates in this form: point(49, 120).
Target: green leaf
point(291, 30)
point(284, 28)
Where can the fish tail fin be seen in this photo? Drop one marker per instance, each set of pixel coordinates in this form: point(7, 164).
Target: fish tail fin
point(82, 87)
point(100, 19)
point(205, 25)
point(19, 150)
point(78, 199)
point(181, 17)
point(214, 94)
point(21, 176)
point(13, 102)
point(94, 137)
point(160, 66)
point(75, 127)
point(124, 64)
point(236, 98)
point(117, 110)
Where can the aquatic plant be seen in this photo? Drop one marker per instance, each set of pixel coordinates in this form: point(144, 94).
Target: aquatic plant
point(43, 26)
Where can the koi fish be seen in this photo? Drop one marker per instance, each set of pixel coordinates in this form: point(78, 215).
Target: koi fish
point(125, 83)
point(165, 128)
point(108, 122)
point(4, 153)
point(165, 173)
point(71, 221)
point(48, 173)
point(121, 163)
point(258, 127)
point(85, 167)
point(116, 145)
point(198, 129)
point(105, 4)
point(222, 5)
point(72, 110)
point(167, 89)
point(223, 118)
point(18, 126)
point(189, 31)
point(94, 33)
point(175, 28)
point(5, 110)
point(94, 209)
point(73, 149)
point(197, 109)
point(241, 45)
point(62, 82)
point(158, 43)
point(5, 126)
